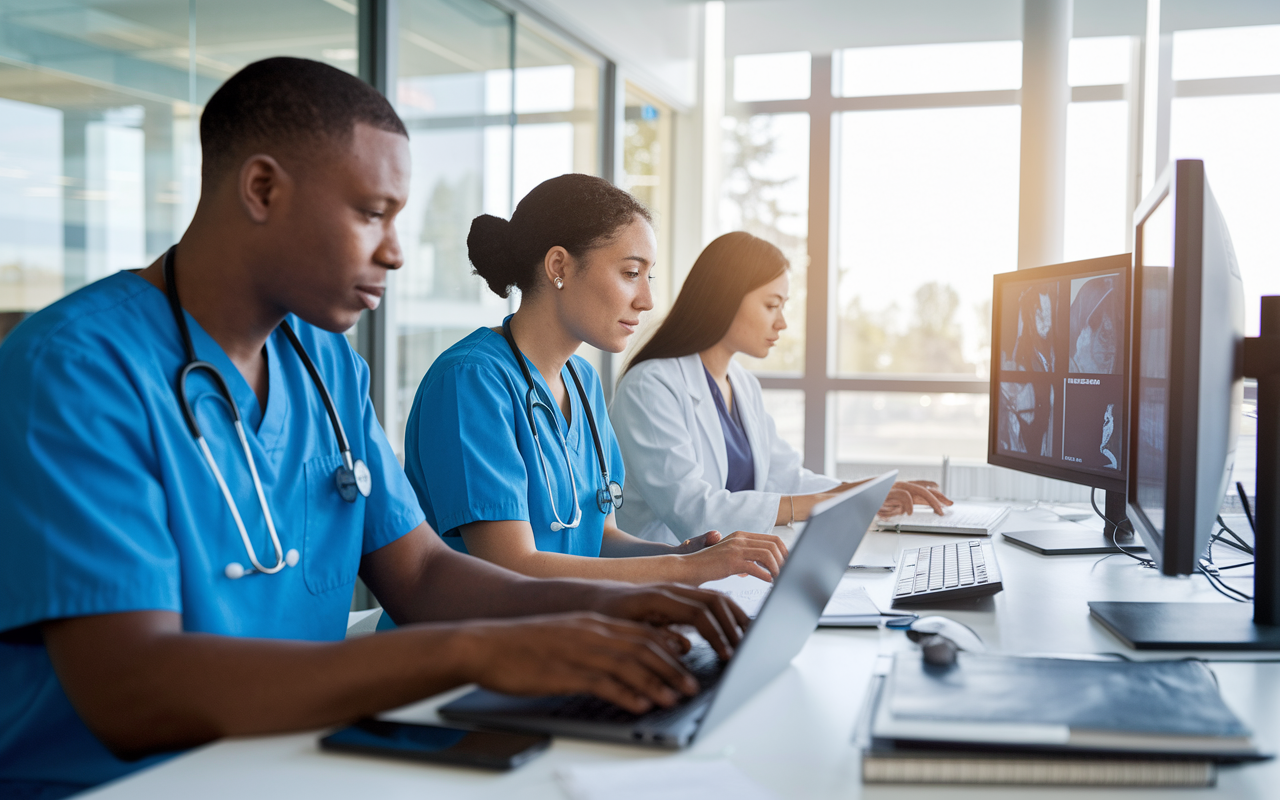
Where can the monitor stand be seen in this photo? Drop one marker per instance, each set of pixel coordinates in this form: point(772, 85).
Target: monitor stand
point(1067, 542)
point(1225, 625)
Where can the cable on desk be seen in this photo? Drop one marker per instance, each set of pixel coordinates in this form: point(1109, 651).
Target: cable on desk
point(1244, 501)
point(1239, 543)
point(1222, 588)
point(1146, 562)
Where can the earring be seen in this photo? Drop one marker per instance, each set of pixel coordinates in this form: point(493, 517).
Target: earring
point(559, 282)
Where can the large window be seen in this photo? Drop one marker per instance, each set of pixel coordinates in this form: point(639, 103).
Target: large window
point(1226, 110)
point(99, 115)
point(906, 159)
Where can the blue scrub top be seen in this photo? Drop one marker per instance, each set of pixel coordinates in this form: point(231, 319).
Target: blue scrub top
point(471, 456)
point(109, 506)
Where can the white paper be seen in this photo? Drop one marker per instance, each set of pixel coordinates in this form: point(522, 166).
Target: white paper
point(669, 779)
point(850, 598)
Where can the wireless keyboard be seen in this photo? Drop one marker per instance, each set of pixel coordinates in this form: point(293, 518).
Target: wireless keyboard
point(946, 572)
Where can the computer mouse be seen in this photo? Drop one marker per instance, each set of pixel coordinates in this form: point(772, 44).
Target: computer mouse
point(957, 632)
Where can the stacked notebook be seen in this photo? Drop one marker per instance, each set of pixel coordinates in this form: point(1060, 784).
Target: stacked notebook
point(1009, 720)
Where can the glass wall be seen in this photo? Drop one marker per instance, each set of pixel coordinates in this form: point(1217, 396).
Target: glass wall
point(100, 106)
point(479, 138)
point(647, 162)
point(454, 92)
point(557, 97)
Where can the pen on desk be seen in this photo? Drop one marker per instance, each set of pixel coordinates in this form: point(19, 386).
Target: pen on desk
point(869, 568)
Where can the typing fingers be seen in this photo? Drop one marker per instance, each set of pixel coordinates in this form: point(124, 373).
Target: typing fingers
point(898, 502)
point(638, 657)
point(729, 619)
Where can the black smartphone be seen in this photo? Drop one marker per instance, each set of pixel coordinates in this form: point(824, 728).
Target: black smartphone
point(483, 749)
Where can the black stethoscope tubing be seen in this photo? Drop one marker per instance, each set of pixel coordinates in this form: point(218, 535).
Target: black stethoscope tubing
point(352, 477)
point(609, 496)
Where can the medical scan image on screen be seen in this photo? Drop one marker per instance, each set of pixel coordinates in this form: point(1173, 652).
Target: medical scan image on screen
point(1031, 348)
point(1026, 411)
point(1070, 330)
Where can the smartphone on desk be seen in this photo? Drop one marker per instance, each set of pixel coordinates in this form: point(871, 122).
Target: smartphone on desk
point(436, 744)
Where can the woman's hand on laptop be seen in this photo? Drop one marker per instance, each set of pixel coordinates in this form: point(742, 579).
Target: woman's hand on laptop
point(906, 494)
point(713, 556)
point(632, 664)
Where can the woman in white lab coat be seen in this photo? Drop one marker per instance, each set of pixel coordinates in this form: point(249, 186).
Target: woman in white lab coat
point(700, 450)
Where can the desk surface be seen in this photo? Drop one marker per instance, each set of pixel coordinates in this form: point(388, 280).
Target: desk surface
point(794, 736)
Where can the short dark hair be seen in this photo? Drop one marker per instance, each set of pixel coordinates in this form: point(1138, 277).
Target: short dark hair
point(576, 212)
point(286, 103)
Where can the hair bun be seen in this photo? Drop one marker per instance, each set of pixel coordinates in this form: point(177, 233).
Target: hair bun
point(488, 247)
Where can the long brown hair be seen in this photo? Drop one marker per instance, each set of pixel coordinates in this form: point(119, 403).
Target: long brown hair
point(727, 270)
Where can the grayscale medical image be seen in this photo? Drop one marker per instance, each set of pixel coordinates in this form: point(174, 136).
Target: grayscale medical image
point(1096, 324)
point(1024, 422)
point(1108, 427)
point(1035, 311)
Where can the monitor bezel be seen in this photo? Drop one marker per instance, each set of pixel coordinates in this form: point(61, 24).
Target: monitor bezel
point(1122, 263)
point(1183, 184)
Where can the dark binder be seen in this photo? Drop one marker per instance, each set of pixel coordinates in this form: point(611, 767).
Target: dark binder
point(1010, 720)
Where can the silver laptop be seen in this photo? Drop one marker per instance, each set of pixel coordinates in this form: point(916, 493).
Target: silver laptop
point(788, 616)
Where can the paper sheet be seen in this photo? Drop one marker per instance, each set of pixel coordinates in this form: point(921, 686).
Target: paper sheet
point(669, 779)
point(849, 600)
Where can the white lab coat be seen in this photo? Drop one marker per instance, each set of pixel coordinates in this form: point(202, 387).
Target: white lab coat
point(673, 446)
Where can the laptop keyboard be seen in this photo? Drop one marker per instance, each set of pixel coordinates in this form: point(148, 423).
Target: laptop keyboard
point(701, 660)
point(947, 572)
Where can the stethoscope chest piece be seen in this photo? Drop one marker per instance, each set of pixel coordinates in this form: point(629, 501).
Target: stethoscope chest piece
point(609, 497)
point(351, 477)
point(353, 480)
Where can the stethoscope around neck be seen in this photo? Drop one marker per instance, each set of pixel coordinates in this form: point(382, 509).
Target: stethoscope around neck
point(609, 495)
point(352, 477)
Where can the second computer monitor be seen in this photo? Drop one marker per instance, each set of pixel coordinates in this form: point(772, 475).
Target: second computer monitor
point(1059, 371)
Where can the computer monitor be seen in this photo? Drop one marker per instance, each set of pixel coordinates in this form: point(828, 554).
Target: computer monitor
point(1059, 384)
point(1189, 357)
point(1188, 387)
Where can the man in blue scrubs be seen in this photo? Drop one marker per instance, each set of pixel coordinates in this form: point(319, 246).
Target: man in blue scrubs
point(123, 634)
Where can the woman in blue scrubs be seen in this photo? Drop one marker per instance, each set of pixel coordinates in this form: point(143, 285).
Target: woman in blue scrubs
point(580, 251)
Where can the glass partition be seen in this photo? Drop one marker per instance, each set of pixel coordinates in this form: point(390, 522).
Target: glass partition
point(99, 114)
point(454, 92)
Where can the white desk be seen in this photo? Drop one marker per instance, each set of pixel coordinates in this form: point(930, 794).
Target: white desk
point(794, 736)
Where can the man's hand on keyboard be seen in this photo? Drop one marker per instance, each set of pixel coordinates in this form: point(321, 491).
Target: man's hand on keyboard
point(631, 664)
point(905, 494)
